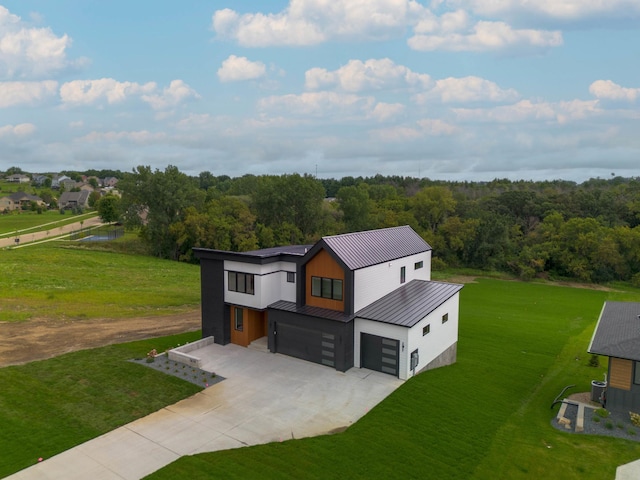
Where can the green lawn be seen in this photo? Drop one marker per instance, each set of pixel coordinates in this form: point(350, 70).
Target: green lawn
point(61, 283)
point(49, 406)
point(486, 417)
point(27, 222)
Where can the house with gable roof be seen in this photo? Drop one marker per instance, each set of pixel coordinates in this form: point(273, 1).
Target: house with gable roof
point(617, 336)
point(363, 299)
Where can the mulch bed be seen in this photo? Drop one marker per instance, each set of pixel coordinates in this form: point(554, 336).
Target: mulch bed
point(191, 374)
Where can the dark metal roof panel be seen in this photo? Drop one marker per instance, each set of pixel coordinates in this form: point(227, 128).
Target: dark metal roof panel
point(311, 311)
point(617, 333)
point(410, 303)
point(372, 247)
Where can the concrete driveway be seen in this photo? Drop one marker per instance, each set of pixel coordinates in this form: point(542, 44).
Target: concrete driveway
point(264, 398)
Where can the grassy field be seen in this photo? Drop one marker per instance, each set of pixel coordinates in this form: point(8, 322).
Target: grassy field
point(26, 222)
point(50, 406)
point(58, 282)
point(486, 417)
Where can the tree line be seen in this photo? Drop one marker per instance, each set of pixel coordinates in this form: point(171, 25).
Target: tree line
point(588, 231)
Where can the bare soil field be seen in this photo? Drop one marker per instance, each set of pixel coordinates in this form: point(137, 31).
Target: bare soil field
point(39, 339)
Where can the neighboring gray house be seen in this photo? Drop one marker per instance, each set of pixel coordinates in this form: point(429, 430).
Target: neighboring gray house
point(74, 199)
point(617, 336)
point(40, 179)
point(362, 299)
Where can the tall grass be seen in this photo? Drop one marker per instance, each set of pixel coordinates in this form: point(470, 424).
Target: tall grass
point(486, 417)
point(51, 281)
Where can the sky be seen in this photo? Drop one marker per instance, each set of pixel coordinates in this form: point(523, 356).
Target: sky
point(443, 89)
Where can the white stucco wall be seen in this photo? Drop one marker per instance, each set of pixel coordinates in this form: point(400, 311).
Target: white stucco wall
point(270, 284)
point(440, 337)
point(374, 282)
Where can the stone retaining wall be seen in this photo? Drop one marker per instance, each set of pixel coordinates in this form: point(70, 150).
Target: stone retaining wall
point(181, 354)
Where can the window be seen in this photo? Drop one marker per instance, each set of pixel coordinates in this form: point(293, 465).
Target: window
point(403, 274)
point(241, 282)
point(426, 329)
point(418, 265)
point(291, 277)
point(238, 322)
point(330, 288)
point(445, 318)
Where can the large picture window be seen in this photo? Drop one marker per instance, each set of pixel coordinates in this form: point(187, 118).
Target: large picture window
point(241, 282)
point(330, 288)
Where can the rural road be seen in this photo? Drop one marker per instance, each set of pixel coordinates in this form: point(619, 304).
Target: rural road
point(31, 236)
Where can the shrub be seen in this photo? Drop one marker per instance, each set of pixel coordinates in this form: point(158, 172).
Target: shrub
point(602, 412)
point(635, 418)
point(594, 361)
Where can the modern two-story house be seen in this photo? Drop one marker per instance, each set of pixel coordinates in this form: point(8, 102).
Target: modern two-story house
point(361, 299)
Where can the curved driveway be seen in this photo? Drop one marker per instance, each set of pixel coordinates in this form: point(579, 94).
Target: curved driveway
point(264, 398)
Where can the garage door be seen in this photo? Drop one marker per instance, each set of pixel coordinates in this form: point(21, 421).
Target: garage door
point(305, 343)
point(379, 353)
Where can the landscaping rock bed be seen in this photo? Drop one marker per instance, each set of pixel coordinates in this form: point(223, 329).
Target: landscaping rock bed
point(616, 424)
point(188, 373)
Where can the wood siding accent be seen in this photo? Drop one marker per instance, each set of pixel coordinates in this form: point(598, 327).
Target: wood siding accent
point(620, 372)
point(254, 326)
point(323, 265)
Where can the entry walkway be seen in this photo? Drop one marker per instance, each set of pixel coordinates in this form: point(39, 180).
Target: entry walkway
point(264, 398)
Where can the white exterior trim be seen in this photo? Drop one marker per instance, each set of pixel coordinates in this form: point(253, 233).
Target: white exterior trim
point(270, 284)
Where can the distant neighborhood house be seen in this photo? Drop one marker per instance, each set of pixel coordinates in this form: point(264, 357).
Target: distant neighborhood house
point(18, 178)
point(19, 201)
point(70, 200)
point(363, 299)
point(617, 336)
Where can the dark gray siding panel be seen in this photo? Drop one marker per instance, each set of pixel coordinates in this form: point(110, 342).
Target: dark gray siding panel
point(626, 400)
point(310, 338)
point(214, 314)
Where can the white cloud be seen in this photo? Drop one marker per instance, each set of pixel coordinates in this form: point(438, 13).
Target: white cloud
point(236, 69)
point(318, 104)
point(20, 130)
point(608, 90)
point(554, 9)
point(373, 74)
point(436, 127)
point(174, 94)
point(142, 137)
point(467, 89)
point(528, 111)
point(310, 22)
point(30, 52)
point(386, 111)
point(26, 93)
point(485, 36)
point(90, 92)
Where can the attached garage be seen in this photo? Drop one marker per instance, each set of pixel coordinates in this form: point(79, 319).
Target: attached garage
point(381, 354)
point(310, 333)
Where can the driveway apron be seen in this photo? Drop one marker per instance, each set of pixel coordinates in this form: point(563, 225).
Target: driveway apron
point(264, 398)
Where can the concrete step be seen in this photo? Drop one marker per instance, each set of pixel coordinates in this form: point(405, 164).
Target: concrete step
point(259, 344)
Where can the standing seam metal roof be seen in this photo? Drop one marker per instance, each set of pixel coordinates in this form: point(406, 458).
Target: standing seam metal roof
point(363, 249)
point(617, 333)
point(410, 303)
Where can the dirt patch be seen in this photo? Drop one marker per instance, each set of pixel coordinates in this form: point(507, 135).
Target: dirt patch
point(41, 339)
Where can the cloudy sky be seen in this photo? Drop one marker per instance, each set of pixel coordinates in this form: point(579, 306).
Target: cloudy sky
point(445, 89)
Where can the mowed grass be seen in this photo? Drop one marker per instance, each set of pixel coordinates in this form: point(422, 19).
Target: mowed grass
point(486, 417)
point(59, 283)
point(49, 406)
point(27, 222)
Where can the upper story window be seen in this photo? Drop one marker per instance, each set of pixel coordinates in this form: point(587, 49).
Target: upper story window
point(330, 288)
point(291, 277)
point(403, 274)
point(418, 265)
point(445, 318)
point(241, 282)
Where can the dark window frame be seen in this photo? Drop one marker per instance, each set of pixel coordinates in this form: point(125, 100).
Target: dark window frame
point(426, 329)
point(403, 274)
point(328, 288)
point(238, 319)
point(445, 318)
point(418, 265)
point(291, 277)
point(241, 282)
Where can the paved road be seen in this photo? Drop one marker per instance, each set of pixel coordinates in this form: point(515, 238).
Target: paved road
point(33, 237)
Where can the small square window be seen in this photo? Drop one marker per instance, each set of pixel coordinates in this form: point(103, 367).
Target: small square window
point(445, 318)
point(426, 329)
point(418, 265)
point(291, 277)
